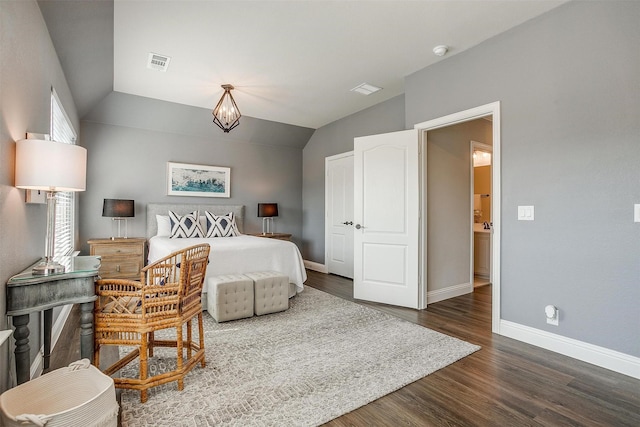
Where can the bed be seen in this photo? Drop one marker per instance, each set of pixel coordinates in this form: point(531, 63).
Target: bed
point(239, 254)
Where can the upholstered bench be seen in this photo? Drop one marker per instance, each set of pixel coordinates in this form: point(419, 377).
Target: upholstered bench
point(230, 297)
point(271, 291)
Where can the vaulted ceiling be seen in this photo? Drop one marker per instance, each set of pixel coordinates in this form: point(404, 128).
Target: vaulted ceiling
point(290, 61)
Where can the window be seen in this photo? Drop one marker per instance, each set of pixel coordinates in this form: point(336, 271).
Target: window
point(62, 131)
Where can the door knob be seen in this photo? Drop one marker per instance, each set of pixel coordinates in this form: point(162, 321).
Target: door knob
point(358, 227)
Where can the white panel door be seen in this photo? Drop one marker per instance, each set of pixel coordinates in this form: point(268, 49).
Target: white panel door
point(339, 214)
point(386, 207)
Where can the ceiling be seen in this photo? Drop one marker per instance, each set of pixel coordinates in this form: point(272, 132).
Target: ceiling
point(290, 61)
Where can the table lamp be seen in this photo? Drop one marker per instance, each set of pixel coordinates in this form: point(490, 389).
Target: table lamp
point(267, 211)
point(119, 210)
point(50, 166)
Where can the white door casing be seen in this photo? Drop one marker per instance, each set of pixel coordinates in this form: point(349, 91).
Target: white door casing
point(387, 219)
point(339, 214)
point(493, 110)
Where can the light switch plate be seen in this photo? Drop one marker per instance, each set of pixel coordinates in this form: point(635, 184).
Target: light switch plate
point(525, 213)
point(636, 212)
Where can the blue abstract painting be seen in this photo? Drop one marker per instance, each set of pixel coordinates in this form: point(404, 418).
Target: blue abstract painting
point(198, 180)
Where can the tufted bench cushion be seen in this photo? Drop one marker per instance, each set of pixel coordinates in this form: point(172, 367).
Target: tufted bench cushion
point(230, 297)
point(271, 291)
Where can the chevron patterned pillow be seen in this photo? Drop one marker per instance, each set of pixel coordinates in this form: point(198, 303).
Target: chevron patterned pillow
point(221, 225)
point(187, 225)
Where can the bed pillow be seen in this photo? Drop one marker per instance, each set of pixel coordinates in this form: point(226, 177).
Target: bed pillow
point(221, 225)
point(164, 225)
point(187, 225)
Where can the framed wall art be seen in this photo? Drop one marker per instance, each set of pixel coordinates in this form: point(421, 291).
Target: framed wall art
point(185, 179)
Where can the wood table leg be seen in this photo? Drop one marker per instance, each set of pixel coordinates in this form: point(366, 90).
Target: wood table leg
point(86, 331)
point(21, 335)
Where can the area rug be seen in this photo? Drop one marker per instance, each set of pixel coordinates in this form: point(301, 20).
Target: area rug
point(320, 359)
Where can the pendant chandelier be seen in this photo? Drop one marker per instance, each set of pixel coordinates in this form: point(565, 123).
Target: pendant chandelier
point(226, 114)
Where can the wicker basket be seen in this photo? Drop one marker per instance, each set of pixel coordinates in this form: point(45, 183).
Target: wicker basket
point(76, 396)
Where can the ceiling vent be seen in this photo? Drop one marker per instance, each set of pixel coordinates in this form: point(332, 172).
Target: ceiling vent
point(158, 62)
point(366, 89)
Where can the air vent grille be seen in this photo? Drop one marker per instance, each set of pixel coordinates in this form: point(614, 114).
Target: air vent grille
point(366, 89)
point(158, 62)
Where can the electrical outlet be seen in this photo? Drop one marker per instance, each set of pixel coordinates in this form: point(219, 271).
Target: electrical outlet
point(636, 212)
point(35, 196)
point(552, 314)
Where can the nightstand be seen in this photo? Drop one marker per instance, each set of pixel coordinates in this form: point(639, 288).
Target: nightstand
point(121, 258)
point(279, 236)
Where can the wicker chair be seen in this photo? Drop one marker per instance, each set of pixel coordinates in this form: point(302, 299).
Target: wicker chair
point(168, 295)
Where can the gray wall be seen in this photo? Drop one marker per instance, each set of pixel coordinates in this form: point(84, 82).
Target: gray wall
point(449, 202)
point(336, 138)
point(569, 84)
point(29, 68)
point(82, 34)
point(130, 139)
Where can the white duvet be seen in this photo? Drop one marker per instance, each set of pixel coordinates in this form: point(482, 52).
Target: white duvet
point(240, 254)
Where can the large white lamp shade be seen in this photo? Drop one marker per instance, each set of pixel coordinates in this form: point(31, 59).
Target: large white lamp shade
point(50, 165)
point(53, 167)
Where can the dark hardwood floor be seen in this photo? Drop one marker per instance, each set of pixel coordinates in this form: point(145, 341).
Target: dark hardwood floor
point(506, 383)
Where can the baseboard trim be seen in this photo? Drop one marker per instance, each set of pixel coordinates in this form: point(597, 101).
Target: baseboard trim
point(599, 356)
point(315, 266)
point(449, 292)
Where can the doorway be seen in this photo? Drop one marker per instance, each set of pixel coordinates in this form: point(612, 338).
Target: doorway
point(391, 215)
point(480, 167)
point(492, 112)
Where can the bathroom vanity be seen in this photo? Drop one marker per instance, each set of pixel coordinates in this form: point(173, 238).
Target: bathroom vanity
point(481, 251)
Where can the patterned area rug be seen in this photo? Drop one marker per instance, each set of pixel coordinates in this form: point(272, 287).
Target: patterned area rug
point(308, 365)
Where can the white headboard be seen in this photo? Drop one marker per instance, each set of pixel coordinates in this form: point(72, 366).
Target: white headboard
point(154, 209)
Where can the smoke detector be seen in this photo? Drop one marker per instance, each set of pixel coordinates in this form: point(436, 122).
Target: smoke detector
point(158, 62)
point(441, 50)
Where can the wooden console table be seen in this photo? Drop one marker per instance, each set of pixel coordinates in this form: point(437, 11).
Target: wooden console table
point(27, 294)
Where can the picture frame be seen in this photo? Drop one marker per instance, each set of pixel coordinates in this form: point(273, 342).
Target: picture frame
point(185, 179)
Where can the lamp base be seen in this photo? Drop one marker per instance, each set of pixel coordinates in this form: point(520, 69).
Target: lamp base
point(125, 228)
point(46, 268)
point(266, 225)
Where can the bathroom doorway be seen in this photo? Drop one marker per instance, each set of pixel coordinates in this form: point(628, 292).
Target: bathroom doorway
point(450, 195)
point(490, 114)
point(481, 238)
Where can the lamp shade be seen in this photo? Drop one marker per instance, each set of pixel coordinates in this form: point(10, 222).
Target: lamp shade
point(267, 210)
point(50, 165)
point(118, 208)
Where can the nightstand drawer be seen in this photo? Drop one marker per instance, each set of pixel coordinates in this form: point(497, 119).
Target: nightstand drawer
point(122, 249)
point(120, 268)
